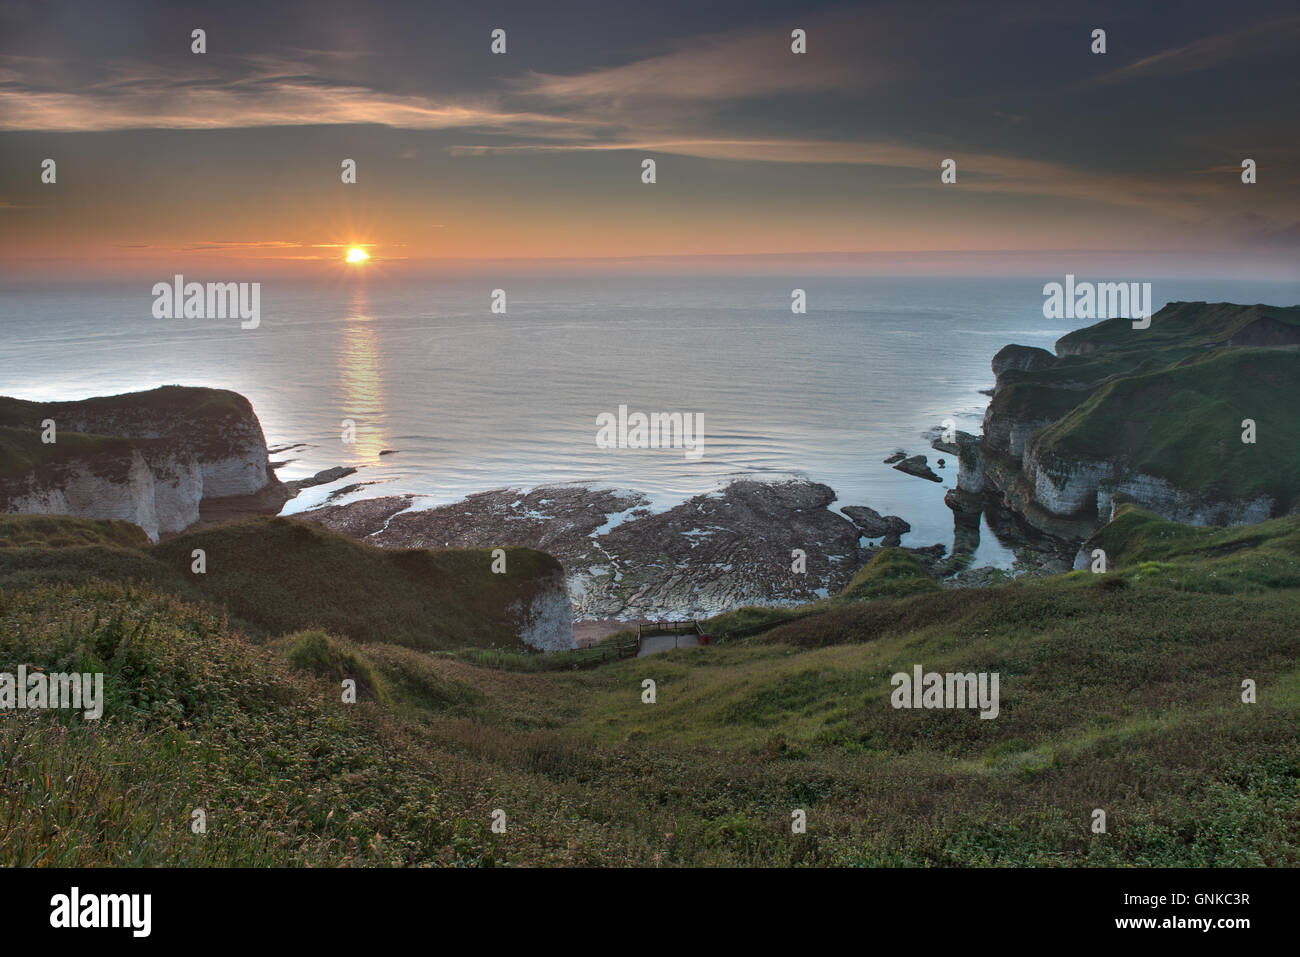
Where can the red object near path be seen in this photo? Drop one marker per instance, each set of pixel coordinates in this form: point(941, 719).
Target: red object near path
point(706, 639)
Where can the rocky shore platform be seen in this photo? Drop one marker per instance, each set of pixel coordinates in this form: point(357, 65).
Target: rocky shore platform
point(747, 543)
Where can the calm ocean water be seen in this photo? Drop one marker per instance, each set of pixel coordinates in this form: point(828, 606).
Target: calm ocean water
point(473, 401)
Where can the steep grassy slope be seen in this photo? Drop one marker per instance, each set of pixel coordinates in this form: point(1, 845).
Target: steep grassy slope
point(1183, 424)
point(1244, 559)
point(277, 575)
point(62, 531)
point(285, 575)
point(1118, 691)
point(1156, 412)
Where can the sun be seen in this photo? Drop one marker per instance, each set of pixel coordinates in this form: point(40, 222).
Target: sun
point(357, 255)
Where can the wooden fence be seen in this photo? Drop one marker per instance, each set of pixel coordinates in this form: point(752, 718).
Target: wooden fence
point(646, 628)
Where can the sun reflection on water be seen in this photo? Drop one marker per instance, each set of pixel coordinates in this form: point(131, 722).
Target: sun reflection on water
point(361, 382)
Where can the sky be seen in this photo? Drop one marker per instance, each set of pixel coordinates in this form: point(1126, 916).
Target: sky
point(228, 162)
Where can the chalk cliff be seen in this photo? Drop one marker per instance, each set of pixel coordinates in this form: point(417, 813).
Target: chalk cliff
point(1187, 418)
point(544, 620)
point(151, 458)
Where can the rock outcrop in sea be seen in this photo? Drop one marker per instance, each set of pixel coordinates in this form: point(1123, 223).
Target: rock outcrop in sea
point(888, 528)
point(919, 466)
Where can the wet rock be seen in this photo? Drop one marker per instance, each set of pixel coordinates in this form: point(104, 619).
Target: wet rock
point(713, 552)
point(323, 477)
point(873, 524)
point(361, 519)
point(962, 501)
point(558, 519)
point(932, 557)
point(898, 456)
point(918, 465)
point(346, 490)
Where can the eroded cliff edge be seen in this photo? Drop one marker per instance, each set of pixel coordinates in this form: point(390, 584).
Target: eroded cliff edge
point(176, 461)
point(1191, 418)
point(152, 458)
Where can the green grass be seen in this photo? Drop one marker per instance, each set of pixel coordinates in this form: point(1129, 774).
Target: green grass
point(1168, 401)
point(1237, 560)
point(1119, 691)
point(285, 574)
point(891, 573)
point(23, 454)
point(62, 531)
point(275, 576)
point(613, 648)
point(1183, 424)
point(213, 421)
point(334, 658)
point(191, 401)
point(1195, 325)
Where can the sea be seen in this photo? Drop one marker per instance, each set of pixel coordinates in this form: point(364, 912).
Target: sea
point(459, 398)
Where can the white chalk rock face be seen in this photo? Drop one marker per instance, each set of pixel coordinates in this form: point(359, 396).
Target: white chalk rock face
point(237, 475)
point(119, 485)
point(150, 458)
point(1165, 499)
point(1065, 490)
point(1089, 488)
point(970, 468)
point(546, 623)
point(178, 488)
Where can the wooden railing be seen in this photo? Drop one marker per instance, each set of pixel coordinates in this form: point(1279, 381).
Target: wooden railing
point(644, 629)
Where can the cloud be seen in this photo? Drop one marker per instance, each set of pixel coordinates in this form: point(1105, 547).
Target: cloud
point(977, 172)
point(268, 91)
point(681, 101)
point(266, 244)
point(305, 87)
point(1255, 41)
point(845, 53)
point(283, 104)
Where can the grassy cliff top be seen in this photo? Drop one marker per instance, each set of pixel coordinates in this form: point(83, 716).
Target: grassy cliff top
point(22, 453)
point(1183, 423)
point(1169, 401)
point(279, 575)
point(63, 531)
point(209, 422)
point(1105, 680)
point(178, 400)
point(1181, 324)
point(1229, 560)
point(1178, 332)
